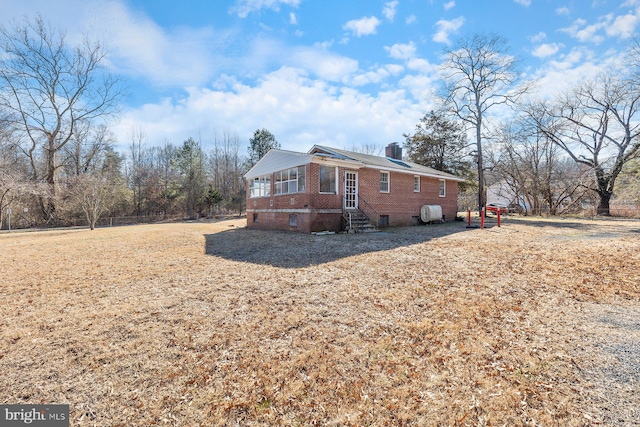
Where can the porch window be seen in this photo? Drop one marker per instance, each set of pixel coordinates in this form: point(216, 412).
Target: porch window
point(416, 184)
point(328, 180)
point(291, 180)
point(384, 182)
point(260, 186)
point(442, 189)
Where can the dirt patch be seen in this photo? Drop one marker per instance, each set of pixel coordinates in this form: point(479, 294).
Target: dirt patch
point(212, 324)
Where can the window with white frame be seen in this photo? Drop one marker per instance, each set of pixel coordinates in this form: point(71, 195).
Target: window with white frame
point(260, 186)
point(289, 181)
point(416, 184)
point(442, 188)
point(328, 175)
point(384, 182)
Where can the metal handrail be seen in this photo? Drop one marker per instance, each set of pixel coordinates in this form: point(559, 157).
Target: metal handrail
point(370, 212)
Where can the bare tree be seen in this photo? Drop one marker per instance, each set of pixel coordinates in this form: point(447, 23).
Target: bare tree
point(226, 169)
point(531, 172)
point(49, 87)
point(598, 125)
point(94, 195)
point(478, 76)
point(86, 148)
point(367, 148)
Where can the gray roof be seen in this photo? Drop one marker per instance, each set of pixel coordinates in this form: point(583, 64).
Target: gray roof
point(276, 160)
point(385, 163)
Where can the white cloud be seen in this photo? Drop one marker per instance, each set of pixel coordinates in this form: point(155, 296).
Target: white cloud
point(449, 5)
point(623, 26)
point(369, 77)
point(139, 47)
point(410, 19)
point(580, 64)
point(363, 26)
point(244, 7)
point(299, 110)
point(563, 11)
point(525, 3)
point(325, 65)
point(546, 49)
point(293, 19)
point(389, 10)
point(401, 51)
point(583, 32)
point(446, 28)
point(421, 65)
point(421, 87)
point(538, 37)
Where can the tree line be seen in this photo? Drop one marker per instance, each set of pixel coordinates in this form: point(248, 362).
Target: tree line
point(58, 162)
point(57, 157)
point(552, 155)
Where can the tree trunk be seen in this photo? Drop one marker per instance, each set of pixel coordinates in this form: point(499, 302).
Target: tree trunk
point(603, 203)
point(49, 203)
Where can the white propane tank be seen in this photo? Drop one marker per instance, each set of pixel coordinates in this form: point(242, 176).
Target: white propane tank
point(431, 213)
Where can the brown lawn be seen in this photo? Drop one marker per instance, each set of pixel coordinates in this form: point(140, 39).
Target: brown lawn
point(200, 324)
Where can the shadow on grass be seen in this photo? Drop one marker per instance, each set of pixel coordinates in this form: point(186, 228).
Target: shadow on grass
point(588, 228)
point(297, 250)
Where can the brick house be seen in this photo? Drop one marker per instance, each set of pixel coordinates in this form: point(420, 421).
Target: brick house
point(332, 189)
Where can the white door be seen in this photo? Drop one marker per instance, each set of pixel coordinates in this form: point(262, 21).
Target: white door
point(350, 190)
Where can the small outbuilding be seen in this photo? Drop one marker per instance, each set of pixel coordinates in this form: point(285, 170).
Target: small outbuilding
point(332, 189)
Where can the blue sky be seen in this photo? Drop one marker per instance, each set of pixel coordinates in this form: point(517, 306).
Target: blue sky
point(337, 73)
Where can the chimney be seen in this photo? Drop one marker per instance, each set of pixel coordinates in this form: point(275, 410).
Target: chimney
point(393, 151)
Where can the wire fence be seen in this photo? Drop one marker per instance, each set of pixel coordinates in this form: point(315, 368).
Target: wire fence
point(20, 224)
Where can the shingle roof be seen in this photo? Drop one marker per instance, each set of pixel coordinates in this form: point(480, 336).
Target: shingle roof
point(379, 162)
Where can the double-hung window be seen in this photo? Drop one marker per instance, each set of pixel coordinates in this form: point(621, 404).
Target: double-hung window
point(416, 184)
point(442, 189)
point(384, 182)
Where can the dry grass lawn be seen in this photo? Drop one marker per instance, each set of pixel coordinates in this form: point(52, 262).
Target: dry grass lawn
point(201, 324)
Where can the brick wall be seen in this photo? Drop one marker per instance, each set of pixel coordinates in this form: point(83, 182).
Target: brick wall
point(304, 206)
point(401, 205)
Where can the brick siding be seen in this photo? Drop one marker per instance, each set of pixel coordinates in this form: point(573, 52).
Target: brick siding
point(401, 204)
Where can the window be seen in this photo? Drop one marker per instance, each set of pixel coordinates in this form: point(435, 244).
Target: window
point(442, 189)
point(260, 186)
point(293, 220)
point(384, 182)
point(328, 179)
point(416, 184)
point(384, 221)
point(255, 217)
point(290, 181)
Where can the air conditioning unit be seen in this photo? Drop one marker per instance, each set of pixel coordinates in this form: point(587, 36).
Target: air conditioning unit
point(431, 213)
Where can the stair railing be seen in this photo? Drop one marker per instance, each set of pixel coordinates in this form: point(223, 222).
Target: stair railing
point(369, 211)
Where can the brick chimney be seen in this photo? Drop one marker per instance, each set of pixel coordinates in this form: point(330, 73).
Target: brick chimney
point(393, 151)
